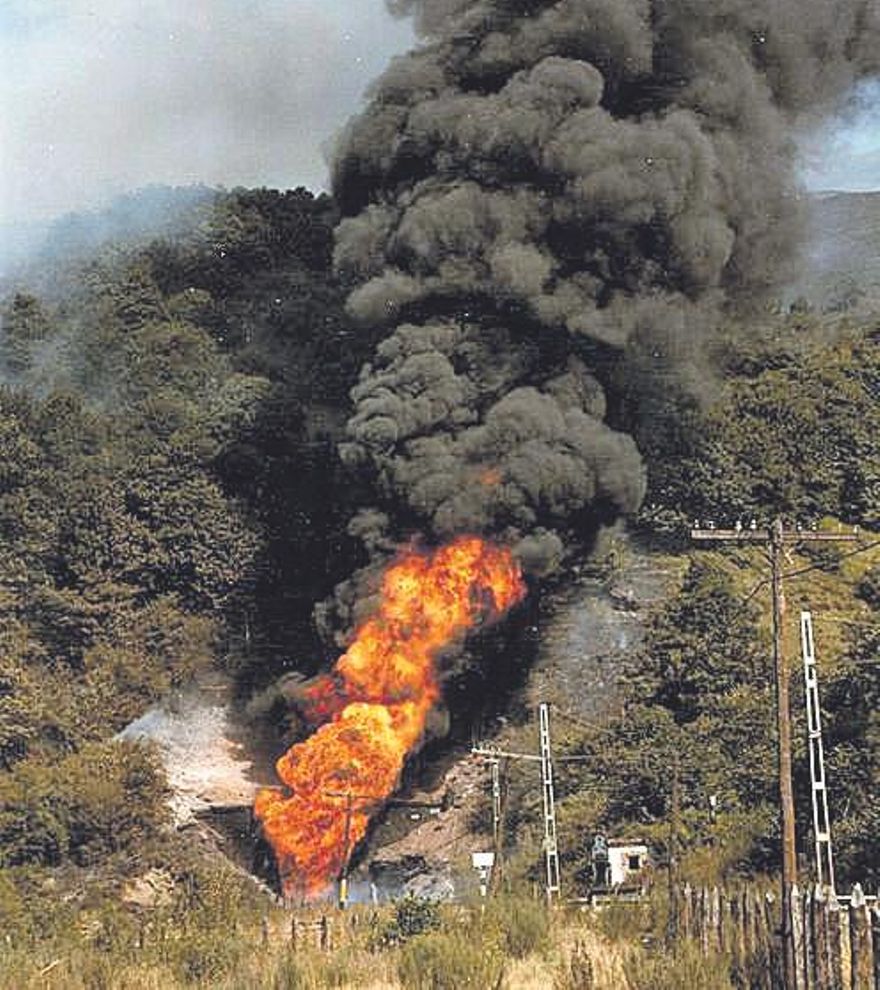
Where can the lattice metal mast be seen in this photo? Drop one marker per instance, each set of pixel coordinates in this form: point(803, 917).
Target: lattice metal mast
point(551, 848)
point(544, 757)
point(818, 789)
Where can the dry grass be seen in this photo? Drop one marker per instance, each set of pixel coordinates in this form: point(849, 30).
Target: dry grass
point(579, 955)
point(246, 962)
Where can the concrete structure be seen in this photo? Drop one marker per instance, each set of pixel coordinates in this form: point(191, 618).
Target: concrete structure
point(626, 859)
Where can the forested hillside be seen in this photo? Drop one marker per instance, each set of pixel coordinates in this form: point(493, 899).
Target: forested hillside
point(168, 481)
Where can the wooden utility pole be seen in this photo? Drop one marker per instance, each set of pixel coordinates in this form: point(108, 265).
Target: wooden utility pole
point(674, 827)
point(776, 539)
point(497, 875)
point(346, 851)
point(365, 800)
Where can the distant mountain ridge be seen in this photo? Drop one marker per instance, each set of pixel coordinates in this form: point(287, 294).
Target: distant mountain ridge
point(130, 219)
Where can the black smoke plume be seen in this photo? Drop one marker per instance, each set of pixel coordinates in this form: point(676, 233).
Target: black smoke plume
point(548, 197)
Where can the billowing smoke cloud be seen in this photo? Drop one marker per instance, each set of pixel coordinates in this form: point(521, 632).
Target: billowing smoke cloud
point(543, 195)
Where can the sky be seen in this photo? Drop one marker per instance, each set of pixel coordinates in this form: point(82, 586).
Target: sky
point(100, 97)
point(844, 154)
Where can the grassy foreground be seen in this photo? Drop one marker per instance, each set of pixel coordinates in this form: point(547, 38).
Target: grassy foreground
point(511, 944)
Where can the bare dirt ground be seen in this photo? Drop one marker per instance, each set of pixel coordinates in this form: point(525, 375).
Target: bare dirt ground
point(448, 834)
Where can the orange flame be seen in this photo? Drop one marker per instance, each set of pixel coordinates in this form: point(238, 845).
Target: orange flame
point(377, 701)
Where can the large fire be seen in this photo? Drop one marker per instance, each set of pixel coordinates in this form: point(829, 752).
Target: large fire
point(374, 706)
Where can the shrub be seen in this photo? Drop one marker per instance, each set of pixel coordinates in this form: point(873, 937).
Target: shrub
point(684, 966)
point(523, 925)
point(450, 961)
point(576, 971)
point(624, 921)
point(415, 916)
point(106, 798)
point(412, 916)
point(292, 974)
point(339, 969)
point(204, 956)
point(197, 961)
point(869, 587)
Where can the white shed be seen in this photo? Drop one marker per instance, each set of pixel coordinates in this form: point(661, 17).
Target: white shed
point(625, 859)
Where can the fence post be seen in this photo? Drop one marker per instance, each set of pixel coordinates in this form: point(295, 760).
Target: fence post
point(673, 921)
point(325, 933)
point(685, 924)
point(862, 976)
point(716, 921)
point(797, 928)
point(736, 939)
point(835, 955)
point(763, 959)
point(875, 940)
point(774, 941)
point(809, 948)
point(703, 913)
point(821, 966)
point(745, 914)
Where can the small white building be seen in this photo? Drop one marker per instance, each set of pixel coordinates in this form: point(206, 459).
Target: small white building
point(626, 859)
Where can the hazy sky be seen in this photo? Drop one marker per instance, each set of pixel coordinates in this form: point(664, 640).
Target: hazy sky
point(845, 154)
point(102, 96)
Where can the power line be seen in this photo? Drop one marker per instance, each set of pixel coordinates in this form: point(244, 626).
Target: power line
point(804, 570)
point(823, 565)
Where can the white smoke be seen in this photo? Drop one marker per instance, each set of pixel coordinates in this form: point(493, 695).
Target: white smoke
point(204, 763)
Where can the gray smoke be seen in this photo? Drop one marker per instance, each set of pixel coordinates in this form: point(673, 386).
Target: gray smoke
point(543, 195)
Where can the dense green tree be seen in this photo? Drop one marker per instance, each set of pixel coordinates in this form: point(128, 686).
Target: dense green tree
point(22, 703)
point(698, 715)
point(700, 648)
point(102, 800)
point(169, 478)
point(25, 324)
point(793, 431)
point(852, 726)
